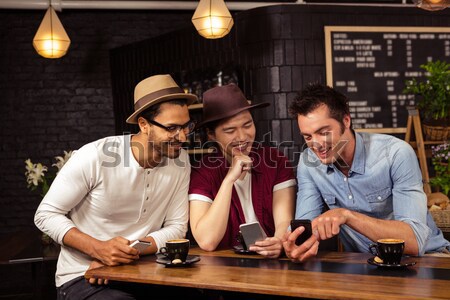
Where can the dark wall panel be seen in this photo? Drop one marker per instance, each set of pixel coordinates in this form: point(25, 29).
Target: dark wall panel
point(277, 50)
point(47, 106)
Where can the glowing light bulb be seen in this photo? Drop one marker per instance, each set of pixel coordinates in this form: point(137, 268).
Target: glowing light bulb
point(212, 19)
point(51, 40)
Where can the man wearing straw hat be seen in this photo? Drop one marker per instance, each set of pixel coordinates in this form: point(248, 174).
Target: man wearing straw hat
point(243, 182)
point(119, 189)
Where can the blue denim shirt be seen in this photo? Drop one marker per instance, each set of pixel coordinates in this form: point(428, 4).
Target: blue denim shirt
point(384, 182)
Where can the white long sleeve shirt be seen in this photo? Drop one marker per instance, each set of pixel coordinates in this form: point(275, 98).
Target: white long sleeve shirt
point(104, 192)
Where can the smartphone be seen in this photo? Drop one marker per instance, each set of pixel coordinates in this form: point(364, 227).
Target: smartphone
point(252, 232)
point(306, 234)
point(140, 245)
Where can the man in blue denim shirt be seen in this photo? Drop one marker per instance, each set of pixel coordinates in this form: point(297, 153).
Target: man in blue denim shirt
point(371, 184)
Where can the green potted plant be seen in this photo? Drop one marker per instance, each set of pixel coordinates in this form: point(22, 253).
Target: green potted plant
point(441, 164)
point(433, 98)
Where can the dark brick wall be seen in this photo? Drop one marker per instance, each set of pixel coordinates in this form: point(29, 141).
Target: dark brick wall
point(47, 106)
point(278, 50)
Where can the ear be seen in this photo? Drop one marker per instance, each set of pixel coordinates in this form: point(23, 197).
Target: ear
point(347, 121)
point(143, 125)
point(211, 134)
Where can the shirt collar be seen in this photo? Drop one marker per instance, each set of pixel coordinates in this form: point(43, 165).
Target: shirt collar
point(359, 157)
point(256, 157)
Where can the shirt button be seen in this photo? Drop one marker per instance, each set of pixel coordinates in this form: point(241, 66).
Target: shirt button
point(345, 178)
point(145, 210)
point(146, 199)
point(148, 185)
point(379, 197)
point(350, 197)
point(148, 172)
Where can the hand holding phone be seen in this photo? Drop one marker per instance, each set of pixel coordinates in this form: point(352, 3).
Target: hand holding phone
point(140, 245)
point(252, 232)
point(305, 234)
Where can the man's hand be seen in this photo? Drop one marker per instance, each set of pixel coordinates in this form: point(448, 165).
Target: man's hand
point(270, 247)
point(94, 265)
point(240, 164)
point(115, 251)
point(301, 252)
point(329, 223)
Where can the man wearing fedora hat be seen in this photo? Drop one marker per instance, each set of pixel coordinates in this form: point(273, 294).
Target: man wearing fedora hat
point(243, 182)
point(120, 189)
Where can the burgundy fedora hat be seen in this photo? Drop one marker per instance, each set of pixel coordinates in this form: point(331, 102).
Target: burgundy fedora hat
point(223, 102)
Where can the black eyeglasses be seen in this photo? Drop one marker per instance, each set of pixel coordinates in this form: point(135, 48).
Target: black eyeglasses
point(175, 129)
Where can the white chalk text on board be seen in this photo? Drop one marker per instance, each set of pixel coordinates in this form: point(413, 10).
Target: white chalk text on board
point(371, 64)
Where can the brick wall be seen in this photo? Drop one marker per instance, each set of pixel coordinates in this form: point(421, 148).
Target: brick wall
point(278, 50)
point(47, 106)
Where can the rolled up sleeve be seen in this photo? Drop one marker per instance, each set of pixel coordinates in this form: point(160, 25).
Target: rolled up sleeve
point(409, 199)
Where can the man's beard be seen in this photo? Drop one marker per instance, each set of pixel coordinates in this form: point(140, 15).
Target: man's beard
point(164, 149)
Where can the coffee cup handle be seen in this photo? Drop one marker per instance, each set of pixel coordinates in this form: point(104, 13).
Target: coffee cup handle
point(163, 251)
point(374, 249)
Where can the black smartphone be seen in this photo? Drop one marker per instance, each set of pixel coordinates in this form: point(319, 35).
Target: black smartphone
point(306, 234)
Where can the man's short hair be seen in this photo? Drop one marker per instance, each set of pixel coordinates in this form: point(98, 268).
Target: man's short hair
point(315, 95)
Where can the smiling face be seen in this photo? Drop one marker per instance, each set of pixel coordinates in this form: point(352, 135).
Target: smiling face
point(235, 135)
point(329, 139)
point(162, 143)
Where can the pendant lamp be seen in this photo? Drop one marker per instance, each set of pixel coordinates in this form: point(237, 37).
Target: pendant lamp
point(212, 19)
point(432, 5)
point(51, 40)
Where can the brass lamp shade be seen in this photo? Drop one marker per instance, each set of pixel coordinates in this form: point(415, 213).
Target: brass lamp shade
point(212, 19)
point(51, 40)
point(432, 5)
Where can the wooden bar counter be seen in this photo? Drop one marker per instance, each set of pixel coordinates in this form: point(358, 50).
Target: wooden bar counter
point(331, 275)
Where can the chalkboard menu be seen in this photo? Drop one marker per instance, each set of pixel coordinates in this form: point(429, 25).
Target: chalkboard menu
point(371, 64)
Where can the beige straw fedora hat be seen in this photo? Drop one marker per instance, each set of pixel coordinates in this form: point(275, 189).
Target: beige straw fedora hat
point(223, 102)
point(156, 89)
